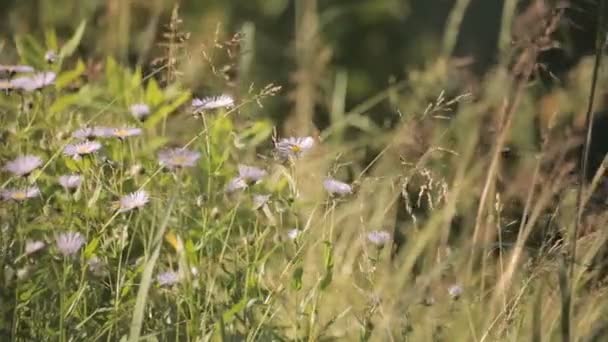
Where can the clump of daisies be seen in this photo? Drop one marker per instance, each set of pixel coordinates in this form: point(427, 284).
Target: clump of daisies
point(69, 243)
point(23, 166)
point(176, 158)
point(294, 147)
point(134, 200)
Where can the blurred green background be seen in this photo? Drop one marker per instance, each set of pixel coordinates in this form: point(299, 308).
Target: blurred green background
point(369, 43)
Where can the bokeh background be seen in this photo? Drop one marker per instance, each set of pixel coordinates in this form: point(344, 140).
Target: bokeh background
point(370, 43)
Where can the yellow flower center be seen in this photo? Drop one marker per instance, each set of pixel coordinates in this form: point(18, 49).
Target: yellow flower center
point(121, 132)
point(83, 149)
point(295, 148)
point(19, 195)
point(179, 160)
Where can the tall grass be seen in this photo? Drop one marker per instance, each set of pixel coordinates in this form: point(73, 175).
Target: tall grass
point(427, 230)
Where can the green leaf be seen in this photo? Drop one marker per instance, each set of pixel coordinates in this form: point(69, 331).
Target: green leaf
point(296, 278)
point(68, 77)
point(50, 37)
point(166, 110)
point(30, 51)
point(71, 45)
point(63, 102)
point(91, 248)
point(228, 316)
point(154, 95)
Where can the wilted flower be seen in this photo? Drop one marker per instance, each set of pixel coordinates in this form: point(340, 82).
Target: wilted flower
point(379, 237)
point(168, 278)
point(133, 200)
point(455, 291)
point(33, 246)
point(292, 234)
point(140, 110)
point(294, 147)
point(69, 243)
point(87, 133)
point(97, 266)
point(235, 184)
point(51, 57)
point(260, 200)
point(23, 166)
point(125, 132)
point(178, 158)
point(83, 148)
point(13, 69)
point(213, 102)
point(33, 82)
point(335, 187)
point(71, 181)
point(251, 174)
point(20, 194)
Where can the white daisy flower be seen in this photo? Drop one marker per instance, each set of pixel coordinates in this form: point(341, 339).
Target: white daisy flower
point(293, 234)
point(71, 181)
point(125, 132)
point(168, 278)
point(335, 187)
point(455, 291)
point(251, 174)
point(294, 147)
point(34, 82)
point(213, 102)
point(178, 158)
point(259, 201)
point(33, 246)
point(13, 69)
point(80, 149)
point(23, 166)
point(133, 200)
point(140, 111)
point(51, 57)
point(236, 184)
point(19, 195)
point(69, 243)
point(379, 237)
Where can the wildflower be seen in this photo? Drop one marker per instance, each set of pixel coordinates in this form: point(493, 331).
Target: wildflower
point(235, 184)
point(178, 157)
point(259, 201)
point(97, 266)
point(20, 194)
point(133, 200)
point(23, 166)
point(71, 181)
point(213, 102)
point(140, 111)
point(293, 234)
point(51, 57)
point(80, 149)
point(294, 147)
point(251, 174)
point(69, 243)
point(379, 237)
point(455, 291)
point(13, 69)
point(34, 82)
point(335, 187)
point(122, 133)
point(168, 278)
point(33, 246)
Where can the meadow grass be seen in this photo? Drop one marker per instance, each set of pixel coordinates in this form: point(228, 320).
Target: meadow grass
point(133, 211)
